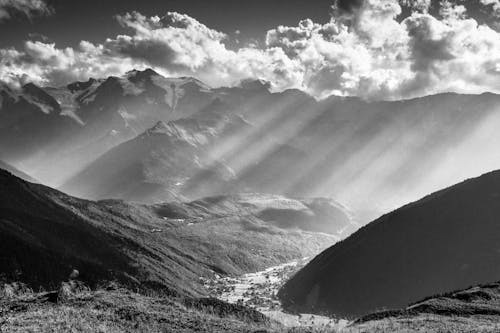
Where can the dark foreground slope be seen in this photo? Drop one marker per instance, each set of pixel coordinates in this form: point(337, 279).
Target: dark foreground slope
point(121, 310)
point(45, 234)
point(446, 241)
point(16, 172)
point(475, 309)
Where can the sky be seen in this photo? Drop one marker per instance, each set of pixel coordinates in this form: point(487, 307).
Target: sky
point(93, 20)
point(375, 49)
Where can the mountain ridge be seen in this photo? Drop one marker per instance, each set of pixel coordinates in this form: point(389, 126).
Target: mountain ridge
point(440, 243)
point(293, 144)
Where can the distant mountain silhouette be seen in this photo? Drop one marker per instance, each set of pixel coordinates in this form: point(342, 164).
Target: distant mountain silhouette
point(445, 241)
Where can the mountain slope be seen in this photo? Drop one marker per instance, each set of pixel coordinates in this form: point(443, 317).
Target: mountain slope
point(16, 172)
point(446, 241)
point(371, 156)
point(166, 162)
point(45, 234)
point(29, 119)
point(43, 238)
point(78, 122)
point(120, 310)
point(475, 309)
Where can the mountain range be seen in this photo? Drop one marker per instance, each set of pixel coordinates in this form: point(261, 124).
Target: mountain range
point(370, 156)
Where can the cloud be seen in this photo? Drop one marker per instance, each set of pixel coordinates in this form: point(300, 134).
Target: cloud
point(366, 49)
point(38, 36)
point(494, 5)
point(420, 5)
point(174, 44)
point(29, 8)
point(45, 64)
point(374, 55)
point(180, 45)
point(174, 41)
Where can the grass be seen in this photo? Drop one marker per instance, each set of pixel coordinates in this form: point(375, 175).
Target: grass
point(429, 323)
point(121, 310)
point(112, 309)
point(475, 309)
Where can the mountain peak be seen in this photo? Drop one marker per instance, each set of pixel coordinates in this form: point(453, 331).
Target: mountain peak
point(6, 169)
point(81, 85)
point(251, 84)
point(31, 87)
point(159, 127)
point(138, 75)
point(39, 97)
point(7, 92)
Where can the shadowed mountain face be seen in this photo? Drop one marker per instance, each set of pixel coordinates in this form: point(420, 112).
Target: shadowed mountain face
point(371, 156)
point(446, 241)
point(16, 172)
point(30, 119)
point(45, 234)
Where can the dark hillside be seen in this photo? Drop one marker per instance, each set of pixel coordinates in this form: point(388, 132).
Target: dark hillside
point(446, 241)
point(45, 234)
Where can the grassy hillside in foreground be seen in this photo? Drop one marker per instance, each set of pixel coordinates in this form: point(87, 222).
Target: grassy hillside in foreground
point(121, 310)
point(112, 309)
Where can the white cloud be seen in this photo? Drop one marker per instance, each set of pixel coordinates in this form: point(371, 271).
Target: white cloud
point(26, 7)
point(175, 44)
point(364, 50)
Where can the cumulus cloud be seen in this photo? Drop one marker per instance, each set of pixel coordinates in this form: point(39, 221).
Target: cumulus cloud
point(174, 41)
point(366, 49)
point(45, 64)
point(174, 44)
point(27, 7)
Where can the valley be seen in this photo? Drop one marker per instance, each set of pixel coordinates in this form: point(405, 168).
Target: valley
point(146, 203)
point(259, 291)
point(169, 245)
